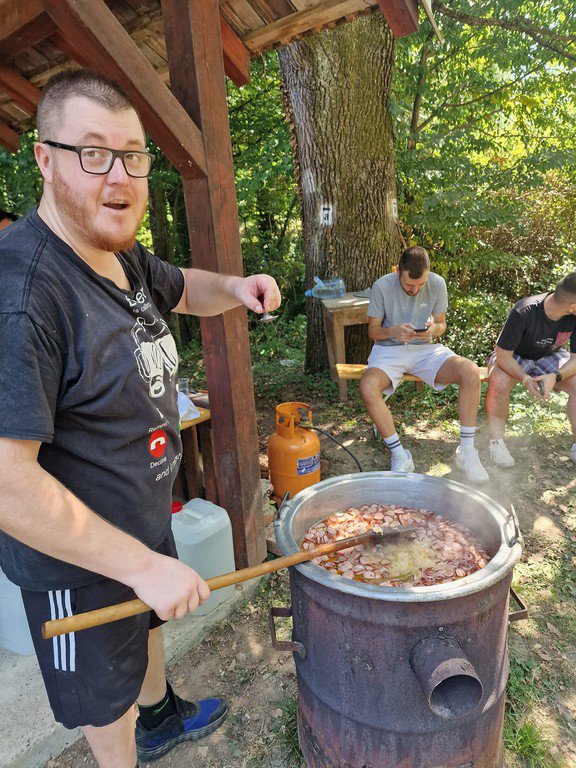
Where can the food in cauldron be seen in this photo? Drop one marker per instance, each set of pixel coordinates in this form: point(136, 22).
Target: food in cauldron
point(440, 551)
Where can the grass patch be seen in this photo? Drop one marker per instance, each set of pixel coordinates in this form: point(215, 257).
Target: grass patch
point(286, 731)
point(525, 739)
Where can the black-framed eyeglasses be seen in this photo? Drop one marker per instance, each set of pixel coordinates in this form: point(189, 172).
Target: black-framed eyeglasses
point(99, 160)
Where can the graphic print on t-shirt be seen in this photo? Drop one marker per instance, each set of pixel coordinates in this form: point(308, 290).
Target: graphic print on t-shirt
point(155, 351)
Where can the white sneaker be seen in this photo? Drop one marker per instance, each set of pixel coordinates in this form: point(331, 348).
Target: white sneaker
point(500, 455)
point(402, 462)
point(469, 462)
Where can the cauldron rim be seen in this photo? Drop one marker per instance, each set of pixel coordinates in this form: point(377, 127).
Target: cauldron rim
point(501, 563)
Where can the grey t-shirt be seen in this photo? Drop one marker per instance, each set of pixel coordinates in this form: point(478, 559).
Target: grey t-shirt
point(390, 301)
point(89, 371)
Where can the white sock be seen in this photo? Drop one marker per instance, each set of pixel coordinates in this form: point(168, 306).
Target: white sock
point(467, 437)
point(393, 442)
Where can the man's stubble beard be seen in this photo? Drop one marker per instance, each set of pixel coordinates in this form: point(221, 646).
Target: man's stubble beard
point(71, 205)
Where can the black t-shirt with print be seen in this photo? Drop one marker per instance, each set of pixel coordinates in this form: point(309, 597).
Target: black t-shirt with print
point(90, 371)
point(530, 333)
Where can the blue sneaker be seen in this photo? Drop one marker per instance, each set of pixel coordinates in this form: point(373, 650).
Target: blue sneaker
point(195, 719)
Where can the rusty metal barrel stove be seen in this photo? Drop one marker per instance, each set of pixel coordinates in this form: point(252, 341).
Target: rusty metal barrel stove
point(401, 677)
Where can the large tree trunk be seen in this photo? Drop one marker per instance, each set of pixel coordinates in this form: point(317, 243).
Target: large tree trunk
point(337, 88)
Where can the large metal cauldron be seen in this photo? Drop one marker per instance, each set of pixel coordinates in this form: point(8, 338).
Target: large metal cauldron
point(401, 677)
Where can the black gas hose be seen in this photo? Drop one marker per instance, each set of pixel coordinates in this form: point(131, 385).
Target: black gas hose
point(323, 432)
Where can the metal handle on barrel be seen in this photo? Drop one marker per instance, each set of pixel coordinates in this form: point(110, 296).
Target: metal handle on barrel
point(517, 537)
point(283, 508)
point(284, 645)
point(522, 613)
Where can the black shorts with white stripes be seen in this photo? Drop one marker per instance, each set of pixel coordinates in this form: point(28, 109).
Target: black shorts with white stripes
point(94, 676)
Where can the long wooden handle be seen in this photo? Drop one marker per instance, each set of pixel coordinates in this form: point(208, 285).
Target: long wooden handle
point(133, 607)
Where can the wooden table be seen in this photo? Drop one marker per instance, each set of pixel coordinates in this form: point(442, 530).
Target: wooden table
point(338, 313)
point(197, 479)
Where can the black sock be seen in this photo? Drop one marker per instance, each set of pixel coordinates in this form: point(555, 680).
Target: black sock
point(155, 714)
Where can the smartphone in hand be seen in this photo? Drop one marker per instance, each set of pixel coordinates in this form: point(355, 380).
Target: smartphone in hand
point(420, 330)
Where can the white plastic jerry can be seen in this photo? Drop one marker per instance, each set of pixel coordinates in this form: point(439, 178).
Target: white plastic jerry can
point(14, 631)
point(203, 535)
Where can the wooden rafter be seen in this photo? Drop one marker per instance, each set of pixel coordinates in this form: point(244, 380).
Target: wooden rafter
point(64, 45)
point(286, 29)
point(94, 30)
point(23, 23)
point(236, 55)
point(9, 138)
point(18, 88)
point(401, 15)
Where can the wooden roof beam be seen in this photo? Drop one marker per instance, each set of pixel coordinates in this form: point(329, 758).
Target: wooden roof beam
point(287, 28)
point(22, 23)
point(64, 45)
point(93, 29)
point(19, 89)
point(9, 138)
point(401, 15)
point(236, 55)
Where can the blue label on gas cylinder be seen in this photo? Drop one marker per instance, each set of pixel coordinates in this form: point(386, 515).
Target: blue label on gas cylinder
point(306, 466)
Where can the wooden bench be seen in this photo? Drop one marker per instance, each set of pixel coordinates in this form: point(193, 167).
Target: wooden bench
point(355, 371)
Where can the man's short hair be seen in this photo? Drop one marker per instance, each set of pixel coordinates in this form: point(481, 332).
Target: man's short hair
point(566, 289)
point(415, 261)
point(71, 84)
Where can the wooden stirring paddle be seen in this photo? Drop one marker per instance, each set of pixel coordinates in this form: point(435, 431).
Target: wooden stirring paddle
point(133, 607)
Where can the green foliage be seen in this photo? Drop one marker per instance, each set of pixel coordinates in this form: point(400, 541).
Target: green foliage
point(192, 364)
point(286, 731)
point(20, 179)
point(266, 191)
point(267, 195)
point(478, 119)
point(474, 320)
point(522, 736)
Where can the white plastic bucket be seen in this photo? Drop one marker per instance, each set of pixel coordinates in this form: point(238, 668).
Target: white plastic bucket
point(14, 631)
point(203, 535)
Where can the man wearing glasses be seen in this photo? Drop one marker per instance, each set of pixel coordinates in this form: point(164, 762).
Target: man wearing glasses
point(88, 447)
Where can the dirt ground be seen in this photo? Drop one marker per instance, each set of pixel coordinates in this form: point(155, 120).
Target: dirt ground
point(237, 659)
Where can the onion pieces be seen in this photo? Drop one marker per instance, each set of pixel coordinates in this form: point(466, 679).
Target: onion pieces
point(441, 550)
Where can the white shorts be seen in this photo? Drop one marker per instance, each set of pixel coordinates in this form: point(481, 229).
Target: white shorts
point(422, 360)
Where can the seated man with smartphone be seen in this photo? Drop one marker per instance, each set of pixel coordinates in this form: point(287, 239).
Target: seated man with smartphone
point(407, 311)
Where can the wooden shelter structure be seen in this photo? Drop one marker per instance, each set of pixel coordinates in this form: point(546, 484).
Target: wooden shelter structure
point(171, 56)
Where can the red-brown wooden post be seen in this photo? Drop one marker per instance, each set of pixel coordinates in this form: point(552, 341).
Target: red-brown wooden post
point(193, 42)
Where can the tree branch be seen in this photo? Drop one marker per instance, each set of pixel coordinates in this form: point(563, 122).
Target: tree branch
point(425, 54)
point(454, 105)
point(286, 221)
point(523, 26)
point(251, 100)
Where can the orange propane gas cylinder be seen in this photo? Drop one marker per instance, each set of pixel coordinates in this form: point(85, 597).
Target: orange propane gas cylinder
point(293, 452)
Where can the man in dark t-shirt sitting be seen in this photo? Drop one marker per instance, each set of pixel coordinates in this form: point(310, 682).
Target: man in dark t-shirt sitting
point(531, 350)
